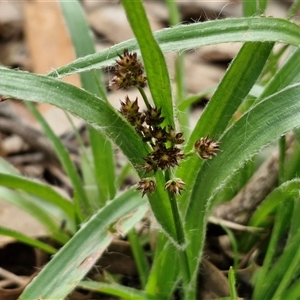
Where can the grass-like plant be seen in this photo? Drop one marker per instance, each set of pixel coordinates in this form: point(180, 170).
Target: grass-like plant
point(182, 173)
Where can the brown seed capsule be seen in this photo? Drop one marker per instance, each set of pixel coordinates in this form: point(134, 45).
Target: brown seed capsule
point(175, 186)
point(206, 148)
point(146, 185)
point(128, 72)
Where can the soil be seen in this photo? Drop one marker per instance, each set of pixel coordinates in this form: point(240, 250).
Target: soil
point(33, 38)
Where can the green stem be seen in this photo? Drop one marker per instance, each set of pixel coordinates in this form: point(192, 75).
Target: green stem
point(145, 98)
point(180, 235)
point(139, 257)
point(282, 147)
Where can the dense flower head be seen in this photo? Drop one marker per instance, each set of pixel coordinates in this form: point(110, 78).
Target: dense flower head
point(173, 137)
point(206, 148)
point(146, 185)
point(175, 185)
point(128, 71)
point(164, 154)
point(153, 116)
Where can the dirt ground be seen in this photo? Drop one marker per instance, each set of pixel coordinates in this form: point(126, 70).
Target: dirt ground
point(33, 38)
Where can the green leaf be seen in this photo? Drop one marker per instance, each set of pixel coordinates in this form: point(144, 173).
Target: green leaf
point(36, 208)
point(100, 115)
point(231, 279)
point(83, 208)
point(93, 83)
point(165, 269)
point(234, 87)
point(282, 217)
point(260, 125)
point(117, 290)
point(186, 37)
point(83, 43)
point(27, 240)
point(38, 189)
point(94, 110)
point(154, 62)
point(77, 257)
point(288, 74)
point(285, 191)
point(282, 274)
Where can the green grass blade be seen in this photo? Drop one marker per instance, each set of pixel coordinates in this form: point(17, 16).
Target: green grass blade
point(94, 110)
point(249, 8)
point(282, 274)
point(294, 8)
point(286, 190)
point(92, 82)
point(259, 126)
point(154, 62)
point(262, 6)
point(100, 115)
point(288, 74)
point(78, 256)
point(121, 291)
point(231, 279)
point(104, 165)
point(27, 240)
point(293, 291)
point(182, 115)
point(83, 43)
point(234, 87)
point(38, 189)
point(165, 269)
point(186, 37)
point(82, 208)
point(35, 208)
point(139, 256)
point(282, 218)
point(7, 168)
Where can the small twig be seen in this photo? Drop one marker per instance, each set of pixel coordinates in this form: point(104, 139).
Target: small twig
point(233, 225)
point(12, 277)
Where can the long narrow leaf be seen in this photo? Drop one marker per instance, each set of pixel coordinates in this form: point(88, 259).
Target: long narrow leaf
point(100, 115)
point(82, 208)
point(185, 37)
point(263, 123)
point(93, 83)
point(154, 62)
point(36, 209)
point(77, 257)
point(288, 74)
point(94, 110)
point(117, 290)
point(38, 189)
point(27, 240)
point(234, 87)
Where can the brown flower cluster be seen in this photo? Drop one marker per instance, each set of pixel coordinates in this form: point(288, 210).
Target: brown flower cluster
point(164, 141)
point(206, 148)
point(165, 154)
point(146, 185)
point(175, 186)
point(128, 72)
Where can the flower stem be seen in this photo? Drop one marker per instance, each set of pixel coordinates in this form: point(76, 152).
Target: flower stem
point(142, 92)
point(183, 259)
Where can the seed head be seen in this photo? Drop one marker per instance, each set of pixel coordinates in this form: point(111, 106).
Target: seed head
point(130, 110)
point(150, 164)
point(206, 148)
point(175, 186)
point(146, 185)
point(153, 116)
point(128, 72)
point(173, 137)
